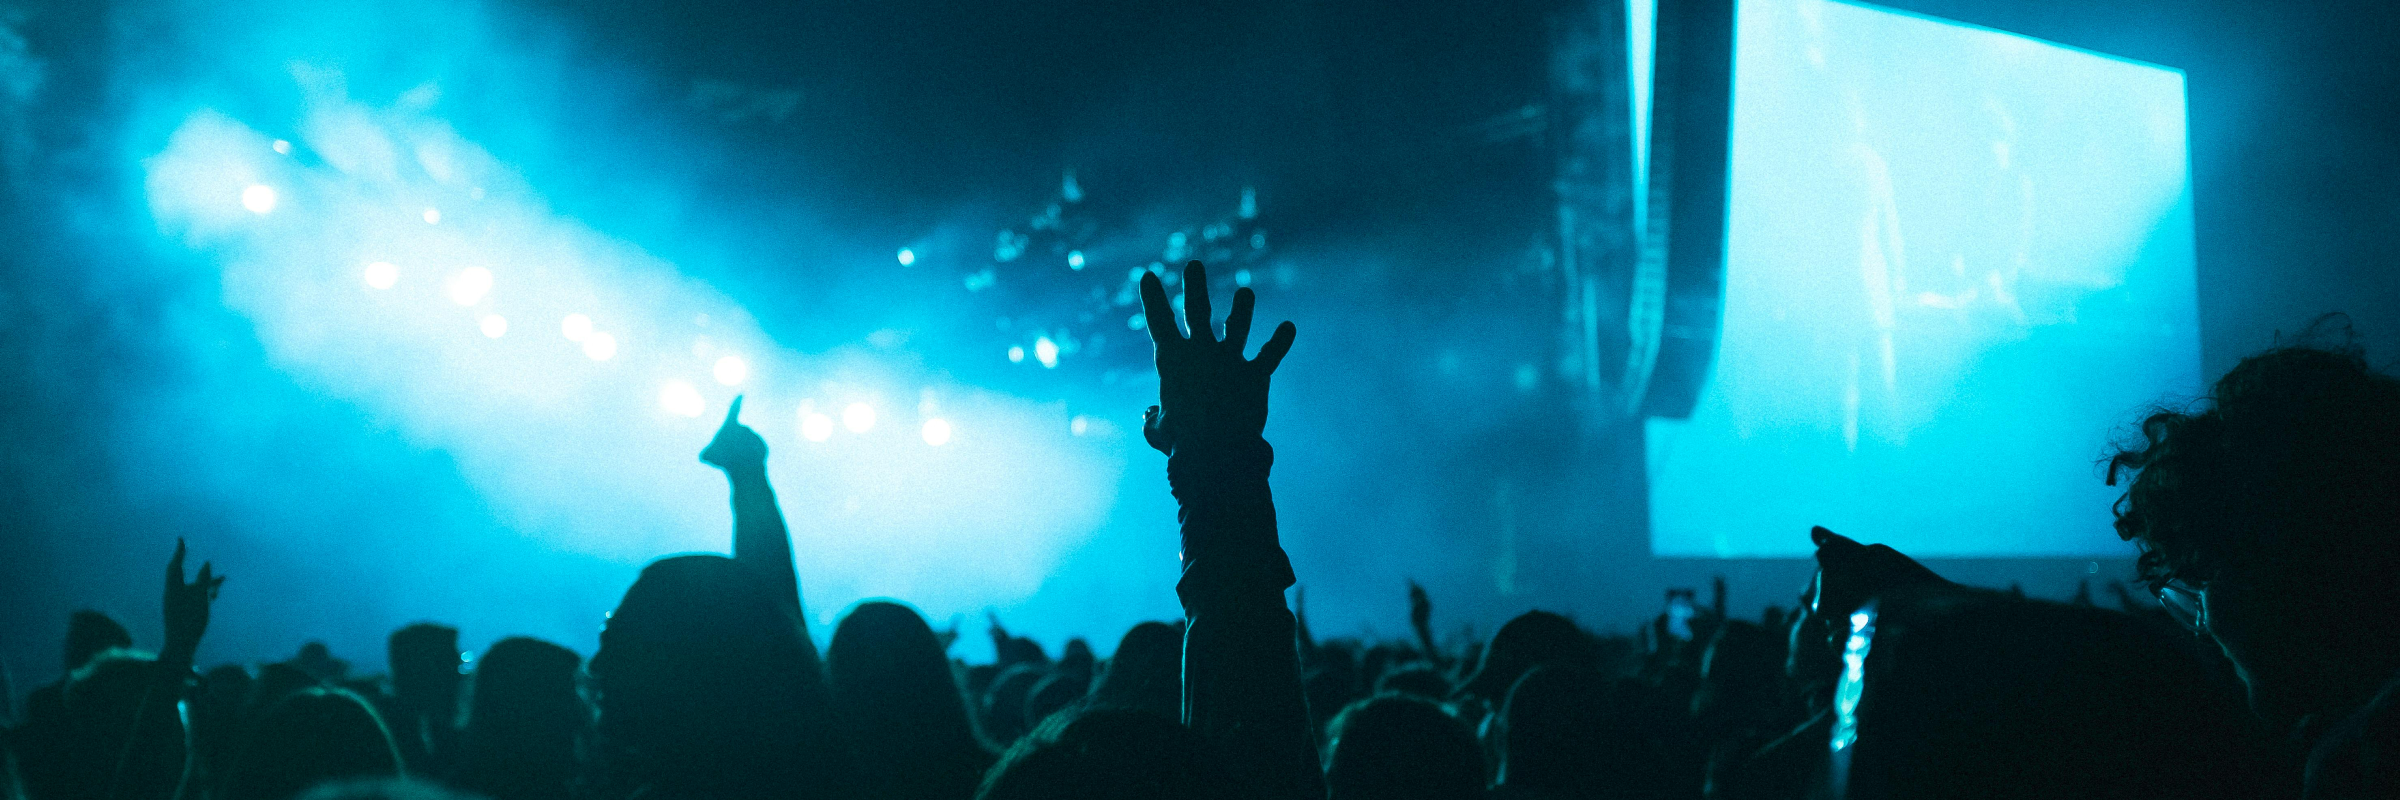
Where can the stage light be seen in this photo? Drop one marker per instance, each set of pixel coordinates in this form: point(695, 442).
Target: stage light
point(433, 216)
point(1016, 354)
point(731, 370)
point(470, 285)
point(494, 326)
point(1241, 277)
point(382, 274)
point(858, 417)
point(1080, 425)
point(259, 198)
point(1045, 351)
point(680, 398)
point(815, 427)
point(283, 147)
point(575, 327)
point(1074, 259)
point(907, 256)
point(600, 346)
point(937, 432)
point(1136, 322)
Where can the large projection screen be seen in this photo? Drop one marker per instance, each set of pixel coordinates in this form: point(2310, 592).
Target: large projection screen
point(1959, 263)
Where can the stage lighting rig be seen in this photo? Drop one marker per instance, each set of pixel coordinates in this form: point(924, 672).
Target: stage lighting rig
point(1070, 283)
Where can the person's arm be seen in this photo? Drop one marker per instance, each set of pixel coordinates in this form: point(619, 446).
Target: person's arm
point(1242, 689)
point(152, 765)
point(759, 536)
point(1420, 619)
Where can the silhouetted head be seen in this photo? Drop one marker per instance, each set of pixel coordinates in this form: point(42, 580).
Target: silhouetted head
point(1572, 732)
point(900, 706)
point(1416, 680)
point(706, 685)
point(1146, 672)
point(1969, 693)
point(522, 729)
point(109, 688)
point(1061, 690)
point(424, 659)
point(1532, 639)
point(1004, 702)
point(1740, 675)
point(309, 737)
point(1394, 747)
point(1106, 754)
point(216, 713)
point(2277, 499)
point(72, 751)
point(89, 633)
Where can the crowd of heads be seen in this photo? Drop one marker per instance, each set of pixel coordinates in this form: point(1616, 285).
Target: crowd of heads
point(2265, 517)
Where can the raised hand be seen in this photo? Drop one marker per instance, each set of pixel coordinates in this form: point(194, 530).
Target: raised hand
point(187, 604)
point(736, 449)
point(1207, 391)
point(1420, 607)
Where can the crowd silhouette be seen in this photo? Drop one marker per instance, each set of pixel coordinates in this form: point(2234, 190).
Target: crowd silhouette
point(2267, 517)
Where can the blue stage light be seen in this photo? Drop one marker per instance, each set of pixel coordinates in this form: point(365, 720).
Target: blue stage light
point(600, 346)
point(382, 275)
point(732, 370)
point(681, 399)
point(815, 427)
point(1045, 351)
point(469, 286)
point(937, 432)
point(907, 256)
point(858, 417)
point(259, 198)
point(493, 325)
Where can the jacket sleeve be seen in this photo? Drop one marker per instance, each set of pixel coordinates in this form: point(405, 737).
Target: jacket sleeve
point(1241, 668)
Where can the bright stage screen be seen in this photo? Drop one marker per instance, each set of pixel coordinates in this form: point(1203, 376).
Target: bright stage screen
point(1959, 262)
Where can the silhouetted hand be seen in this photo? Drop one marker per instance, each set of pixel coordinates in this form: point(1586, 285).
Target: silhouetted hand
point(737, 449)
point(187, 604)
point(1206, 390)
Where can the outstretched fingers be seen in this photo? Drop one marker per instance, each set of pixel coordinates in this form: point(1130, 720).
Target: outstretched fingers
point(1237, 321)
point(1271, 354)
point(175, 565)
point(1195, 302)
point(1157, 313)
point(733, 414)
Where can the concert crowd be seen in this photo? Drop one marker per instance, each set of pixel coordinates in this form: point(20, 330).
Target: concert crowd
point(2253, 656)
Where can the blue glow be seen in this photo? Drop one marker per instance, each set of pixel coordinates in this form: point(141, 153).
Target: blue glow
point(259, 198)
point(731, 370)
point(681, 399)
point(470, 285)
point(1958, 261)
point(1074, 259)
point(575, 327)
point(815, 427)
point(858, 417)
point(907, 257)
point(600, 346)
point(937, 432)
point(1045, 351)
point(585, 443)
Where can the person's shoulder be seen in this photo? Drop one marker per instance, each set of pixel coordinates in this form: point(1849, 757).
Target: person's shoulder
point(2358, 756)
